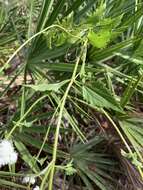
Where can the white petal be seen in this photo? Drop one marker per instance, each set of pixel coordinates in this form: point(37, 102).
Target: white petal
point(28, 179)
point(36, 188)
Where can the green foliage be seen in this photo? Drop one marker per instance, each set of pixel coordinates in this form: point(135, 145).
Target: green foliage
point(73, 89)
point(98, 95)
point(100, 39)
point(93, 164)
point(70, 170)
point(47, 87)
point(26, 156)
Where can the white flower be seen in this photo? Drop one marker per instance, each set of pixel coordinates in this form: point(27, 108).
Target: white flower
point(5, 2)
point(36, 187)
point(28, 179)
point(7, 153)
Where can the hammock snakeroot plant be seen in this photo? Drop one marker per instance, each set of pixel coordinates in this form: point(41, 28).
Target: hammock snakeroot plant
point(71, 94)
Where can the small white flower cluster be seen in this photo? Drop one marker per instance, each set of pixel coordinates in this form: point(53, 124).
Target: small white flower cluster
point(7, 153)
point(30, 180)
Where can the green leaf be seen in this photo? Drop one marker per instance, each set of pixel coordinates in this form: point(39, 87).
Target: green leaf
point(100, 39)
point(26, 156)
point(47, 87)
point(108, 52)
point(86, 180)
point(70, 170)
point(45, 53)
point(82, 162)
point(98, 15)
point(133, 130)
point(27, 139)
point(73, 7)
point(7, 38)
point(45, 12)
point(56, 11)
point(100, 96)
point(81, 13)
point(7, 183)
point(64, 67)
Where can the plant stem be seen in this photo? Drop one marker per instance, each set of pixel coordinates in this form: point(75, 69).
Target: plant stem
point(123, 139)
point(59, 122)
point(23, 117)
point(30, 39)
point(118, 131)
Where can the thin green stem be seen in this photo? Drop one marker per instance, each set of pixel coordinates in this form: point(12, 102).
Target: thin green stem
point(47, 172)
point(30, 39)
point(123, 139)
point(59, 122)
point(23, 117)
point(118, 131)
point(47, 132)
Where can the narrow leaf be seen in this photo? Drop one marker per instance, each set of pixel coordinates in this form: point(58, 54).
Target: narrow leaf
point(100, 96)
point(47, 87)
